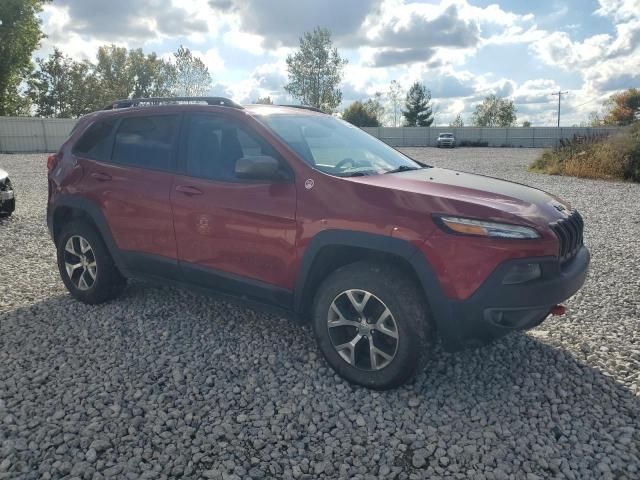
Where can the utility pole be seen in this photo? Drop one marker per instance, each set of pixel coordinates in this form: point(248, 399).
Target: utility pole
point(559, 94)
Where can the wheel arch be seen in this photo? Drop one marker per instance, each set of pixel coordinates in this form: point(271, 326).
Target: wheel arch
point(332, 249)
point(69, 208)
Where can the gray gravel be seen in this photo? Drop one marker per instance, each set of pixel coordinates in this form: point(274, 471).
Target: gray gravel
point(163, 383)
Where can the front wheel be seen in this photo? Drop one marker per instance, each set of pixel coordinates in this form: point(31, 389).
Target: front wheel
point(85, 265)
point(371, 324)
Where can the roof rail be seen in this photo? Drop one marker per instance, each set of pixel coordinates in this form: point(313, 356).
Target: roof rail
point(304, 107)
point(135, 102)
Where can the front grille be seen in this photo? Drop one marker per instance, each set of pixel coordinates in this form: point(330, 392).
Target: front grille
point(569, 231)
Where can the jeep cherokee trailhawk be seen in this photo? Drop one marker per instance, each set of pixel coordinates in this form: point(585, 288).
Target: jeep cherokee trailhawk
point(308, 215)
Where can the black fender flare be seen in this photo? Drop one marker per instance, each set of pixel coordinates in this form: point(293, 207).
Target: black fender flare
point(439, 305)
point(93, 211)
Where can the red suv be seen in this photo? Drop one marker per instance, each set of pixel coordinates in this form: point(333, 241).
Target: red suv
point(303, 213)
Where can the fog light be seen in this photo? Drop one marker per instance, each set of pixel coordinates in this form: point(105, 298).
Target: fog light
point(521, 273)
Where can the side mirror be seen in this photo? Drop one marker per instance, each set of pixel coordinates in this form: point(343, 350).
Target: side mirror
point(261, 167)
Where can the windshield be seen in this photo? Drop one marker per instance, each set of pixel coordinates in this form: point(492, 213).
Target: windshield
point(335, 146)
point(446, 135)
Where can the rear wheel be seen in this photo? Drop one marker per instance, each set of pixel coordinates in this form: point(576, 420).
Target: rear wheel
point(370, 322)
point(86, 268)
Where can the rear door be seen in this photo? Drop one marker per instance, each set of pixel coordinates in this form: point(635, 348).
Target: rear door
point(232, 234)
point(129, 174)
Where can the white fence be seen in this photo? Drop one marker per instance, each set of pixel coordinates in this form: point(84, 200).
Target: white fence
point(532, 137)
point(27, 134)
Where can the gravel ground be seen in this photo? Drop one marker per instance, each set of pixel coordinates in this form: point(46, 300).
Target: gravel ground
point(163, 383)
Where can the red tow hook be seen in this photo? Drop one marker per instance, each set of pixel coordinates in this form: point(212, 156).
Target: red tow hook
point(558, 310)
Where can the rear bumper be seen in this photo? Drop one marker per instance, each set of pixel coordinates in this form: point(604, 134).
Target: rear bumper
point(496, 309)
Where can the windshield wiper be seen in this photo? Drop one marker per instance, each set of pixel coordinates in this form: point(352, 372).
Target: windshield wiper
point(403, 168)
point(355, 174)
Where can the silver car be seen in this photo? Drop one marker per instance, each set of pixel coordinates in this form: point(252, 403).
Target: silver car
point(446, 140)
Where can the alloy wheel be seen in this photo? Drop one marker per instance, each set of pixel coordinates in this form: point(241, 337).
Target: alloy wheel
point(362, 330)
point(80, 262)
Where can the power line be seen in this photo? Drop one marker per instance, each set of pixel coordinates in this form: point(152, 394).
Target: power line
point(559, 94)
point(589, 101)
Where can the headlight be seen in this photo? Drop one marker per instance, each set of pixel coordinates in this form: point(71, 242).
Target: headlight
point(480, 228)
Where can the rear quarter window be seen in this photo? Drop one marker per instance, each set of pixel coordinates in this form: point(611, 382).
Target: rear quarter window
point(96, 142)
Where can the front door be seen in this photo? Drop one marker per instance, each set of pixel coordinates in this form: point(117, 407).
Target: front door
point(232, 234)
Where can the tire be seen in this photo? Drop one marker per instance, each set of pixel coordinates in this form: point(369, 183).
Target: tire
point(336, 323)
point(89, 284)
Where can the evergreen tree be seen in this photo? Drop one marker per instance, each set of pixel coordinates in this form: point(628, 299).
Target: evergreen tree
point(418, 112)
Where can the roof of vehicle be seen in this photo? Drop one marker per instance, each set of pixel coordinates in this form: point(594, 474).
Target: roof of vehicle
point(187, 103)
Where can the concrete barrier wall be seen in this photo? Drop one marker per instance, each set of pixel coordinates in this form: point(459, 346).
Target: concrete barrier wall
point(27, 134)
point(534, 137)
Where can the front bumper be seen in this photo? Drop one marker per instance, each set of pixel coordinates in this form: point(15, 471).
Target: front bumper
point(496, 309)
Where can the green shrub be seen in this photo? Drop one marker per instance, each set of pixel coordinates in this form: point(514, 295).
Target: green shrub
point(615, 157)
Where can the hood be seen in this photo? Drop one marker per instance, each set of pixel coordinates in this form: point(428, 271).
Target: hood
point(478, 190)
point(3, 175)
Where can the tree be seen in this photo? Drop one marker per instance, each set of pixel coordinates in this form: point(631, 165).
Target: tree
point(116, 78)
point(418, 112)
point(20, 35)
point(494, 112)
point(264, 101)
point(361, 114)
point(624, 108)
point(395, 99)
point(595, 119)
point(192, 75)
point(375, 107)
point(315, 71)
point(526, 124)
point(49, 87)
point(126, 73)
point(62, 87)
point(151, 76)
point(457, 123)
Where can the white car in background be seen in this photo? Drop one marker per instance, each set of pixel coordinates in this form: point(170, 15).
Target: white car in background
point(446, 140)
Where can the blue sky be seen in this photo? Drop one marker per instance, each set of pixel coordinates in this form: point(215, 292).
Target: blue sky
point(462, 50)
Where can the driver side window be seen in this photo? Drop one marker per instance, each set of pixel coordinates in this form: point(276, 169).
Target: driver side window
point(213, 145)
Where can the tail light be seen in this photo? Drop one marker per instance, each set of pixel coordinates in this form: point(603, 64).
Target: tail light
point(51, 162)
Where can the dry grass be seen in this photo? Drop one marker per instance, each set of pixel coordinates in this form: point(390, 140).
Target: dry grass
point(611, 158)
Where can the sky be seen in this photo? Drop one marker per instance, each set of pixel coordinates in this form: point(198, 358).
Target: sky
point(462, 50)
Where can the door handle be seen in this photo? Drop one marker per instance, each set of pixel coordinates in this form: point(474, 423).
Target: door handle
point(101, 177)
point(188, 190)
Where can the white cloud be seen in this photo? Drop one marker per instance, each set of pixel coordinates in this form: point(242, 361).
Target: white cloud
point(56, 25)
point(606, 62)
point(211, 59)
point(619, 9)
point(406, 40)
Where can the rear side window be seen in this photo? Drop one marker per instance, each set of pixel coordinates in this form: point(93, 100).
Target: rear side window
point(146, 142)
point(97, 141)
